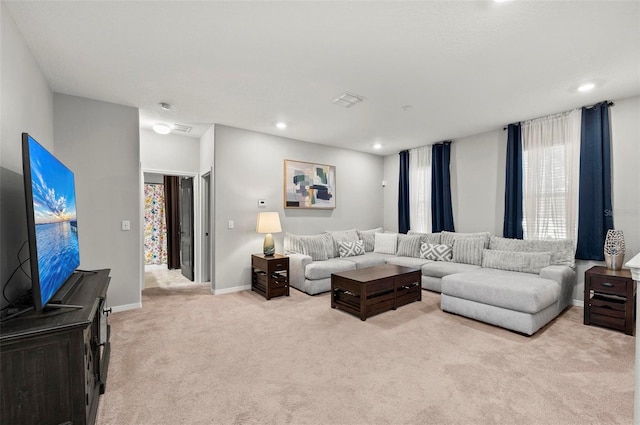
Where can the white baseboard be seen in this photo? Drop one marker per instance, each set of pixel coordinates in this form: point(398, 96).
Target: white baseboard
point(119, 308)
point(577, 303)
point(231, 290)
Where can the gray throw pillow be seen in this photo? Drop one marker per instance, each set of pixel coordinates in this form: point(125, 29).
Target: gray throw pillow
point(468, 250)
point(409, 245)
point(342, 236)
point(436, 252)
point(318, 247)
point(351, 249)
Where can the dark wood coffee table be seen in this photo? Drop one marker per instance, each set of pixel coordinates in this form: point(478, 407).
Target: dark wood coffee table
point(372, 290)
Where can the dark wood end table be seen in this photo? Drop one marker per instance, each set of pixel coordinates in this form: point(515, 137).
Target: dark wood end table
point(609, 299)
point(270, 275)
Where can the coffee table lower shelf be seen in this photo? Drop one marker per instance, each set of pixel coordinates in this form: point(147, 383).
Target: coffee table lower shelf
point(373, 290)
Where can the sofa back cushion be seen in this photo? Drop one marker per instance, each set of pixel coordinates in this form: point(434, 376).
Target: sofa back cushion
point(447, 238)
point(369, 238)
point(468, 250)
point(409, 245)
point(386, 243)
point(432, 238)
point(525, 262)
point(562, 252)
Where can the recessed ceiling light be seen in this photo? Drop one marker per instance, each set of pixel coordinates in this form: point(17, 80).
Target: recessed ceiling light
point(377, 146)
point(586, 87)
point(162, 128)
point(281, 125)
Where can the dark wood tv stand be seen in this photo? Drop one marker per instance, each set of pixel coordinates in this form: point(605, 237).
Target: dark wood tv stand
point(53, 364)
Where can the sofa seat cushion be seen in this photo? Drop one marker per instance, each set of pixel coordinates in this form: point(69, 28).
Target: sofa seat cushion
point(369, 259)
point(323, 269)
point(408, 261)
point(511, 290)
point(444, 268)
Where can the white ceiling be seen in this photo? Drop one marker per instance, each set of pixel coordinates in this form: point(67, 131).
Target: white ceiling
point(464, 67)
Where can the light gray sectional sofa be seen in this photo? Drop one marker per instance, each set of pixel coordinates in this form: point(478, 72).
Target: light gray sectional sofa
point(516, 284)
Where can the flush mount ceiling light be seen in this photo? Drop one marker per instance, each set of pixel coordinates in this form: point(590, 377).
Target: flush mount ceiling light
point(377, 146)
point(281, 125)
point(586, 87)
point(347, 99)
point(162, 128)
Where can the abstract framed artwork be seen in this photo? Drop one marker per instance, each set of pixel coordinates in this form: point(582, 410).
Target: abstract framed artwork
point(309, 185)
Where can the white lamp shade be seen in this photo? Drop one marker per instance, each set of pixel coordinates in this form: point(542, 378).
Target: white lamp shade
point(268, 222)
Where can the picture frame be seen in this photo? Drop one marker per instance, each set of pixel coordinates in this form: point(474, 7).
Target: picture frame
point(309, 185)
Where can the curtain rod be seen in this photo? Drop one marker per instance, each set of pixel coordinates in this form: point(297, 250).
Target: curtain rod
point(609, 103)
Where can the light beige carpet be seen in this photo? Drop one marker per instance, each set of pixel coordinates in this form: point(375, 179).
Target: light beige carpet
point(188, 357)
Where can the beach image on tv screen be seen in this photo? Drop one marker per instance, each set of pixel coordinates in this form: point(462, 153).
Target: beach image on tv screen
point(54, 206)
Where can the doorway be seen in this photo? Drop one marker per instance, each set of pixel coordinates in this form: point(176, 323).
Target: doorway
point(169, 231)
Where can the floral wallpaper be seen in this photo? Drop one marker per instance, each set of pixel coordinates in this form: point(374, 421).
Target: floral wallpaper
point(155, 228)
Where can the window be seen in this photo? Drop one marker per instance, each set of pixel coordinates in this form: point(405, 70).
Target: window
point(550, 167)
point(420, 189)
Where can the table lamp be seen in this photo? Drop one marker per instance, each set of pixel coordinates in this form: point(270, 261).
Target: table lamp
point(268, 222)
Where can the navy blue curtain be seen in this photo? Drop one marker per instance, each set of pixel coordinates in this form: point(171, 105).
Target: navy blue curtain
point(403, 194)
point(595, 215)
point(441, 209)
point(513, 185)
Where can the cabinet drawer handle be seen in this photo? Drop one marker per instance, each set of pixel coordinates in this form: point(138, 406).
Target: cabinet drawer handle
point(607, 284)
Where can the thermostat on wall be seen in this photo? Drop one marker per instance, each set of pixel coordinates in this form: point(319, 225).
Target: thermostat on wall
point(262, 203)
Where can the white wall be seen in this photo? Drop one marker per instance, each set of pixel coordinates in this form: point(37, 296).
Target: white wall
point(169, 152)
point(26, 105)
point(100, 142)
point(477, 182)
point(249, 166)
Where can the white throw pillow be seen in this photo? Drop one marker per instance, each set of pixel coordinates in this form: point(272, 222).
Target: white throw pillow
point(386, 243)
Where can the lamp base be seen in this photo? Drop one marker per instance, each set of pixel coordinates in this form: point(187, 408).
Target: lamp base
point(269, 247)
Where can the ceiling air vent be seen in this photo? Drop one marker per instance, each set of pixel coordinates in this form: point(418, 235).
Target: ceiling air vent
point(348, 99)
point(182, 128)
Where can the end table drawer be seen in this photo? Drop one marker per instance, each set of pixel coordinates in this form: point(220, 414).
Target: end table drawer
point(278, 265)
point(608, 285)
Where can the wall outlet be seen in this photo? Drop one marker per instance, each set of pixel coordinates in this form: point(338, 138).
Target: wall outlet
point(126, 225)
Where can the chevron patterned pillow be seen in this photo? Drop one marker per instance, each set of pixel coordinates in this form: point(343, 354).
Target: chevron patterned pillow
point(435, 252)
point(351, 249)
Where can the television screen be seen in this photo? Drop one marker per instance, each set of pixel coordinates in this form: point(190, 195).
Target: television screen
point(51, 220)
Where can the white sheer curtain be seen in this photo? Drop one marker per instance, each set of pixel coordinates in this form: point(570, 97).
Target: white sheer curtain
point(420, 189)
point(550, 171)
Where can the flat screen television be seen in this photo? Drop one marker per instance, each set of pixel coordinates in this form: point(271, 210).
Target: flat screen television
point(52, 224)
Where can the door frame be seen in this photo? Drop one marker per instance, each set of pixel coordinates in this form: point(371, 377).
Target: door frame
point(196, 218)
point(206, 250)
